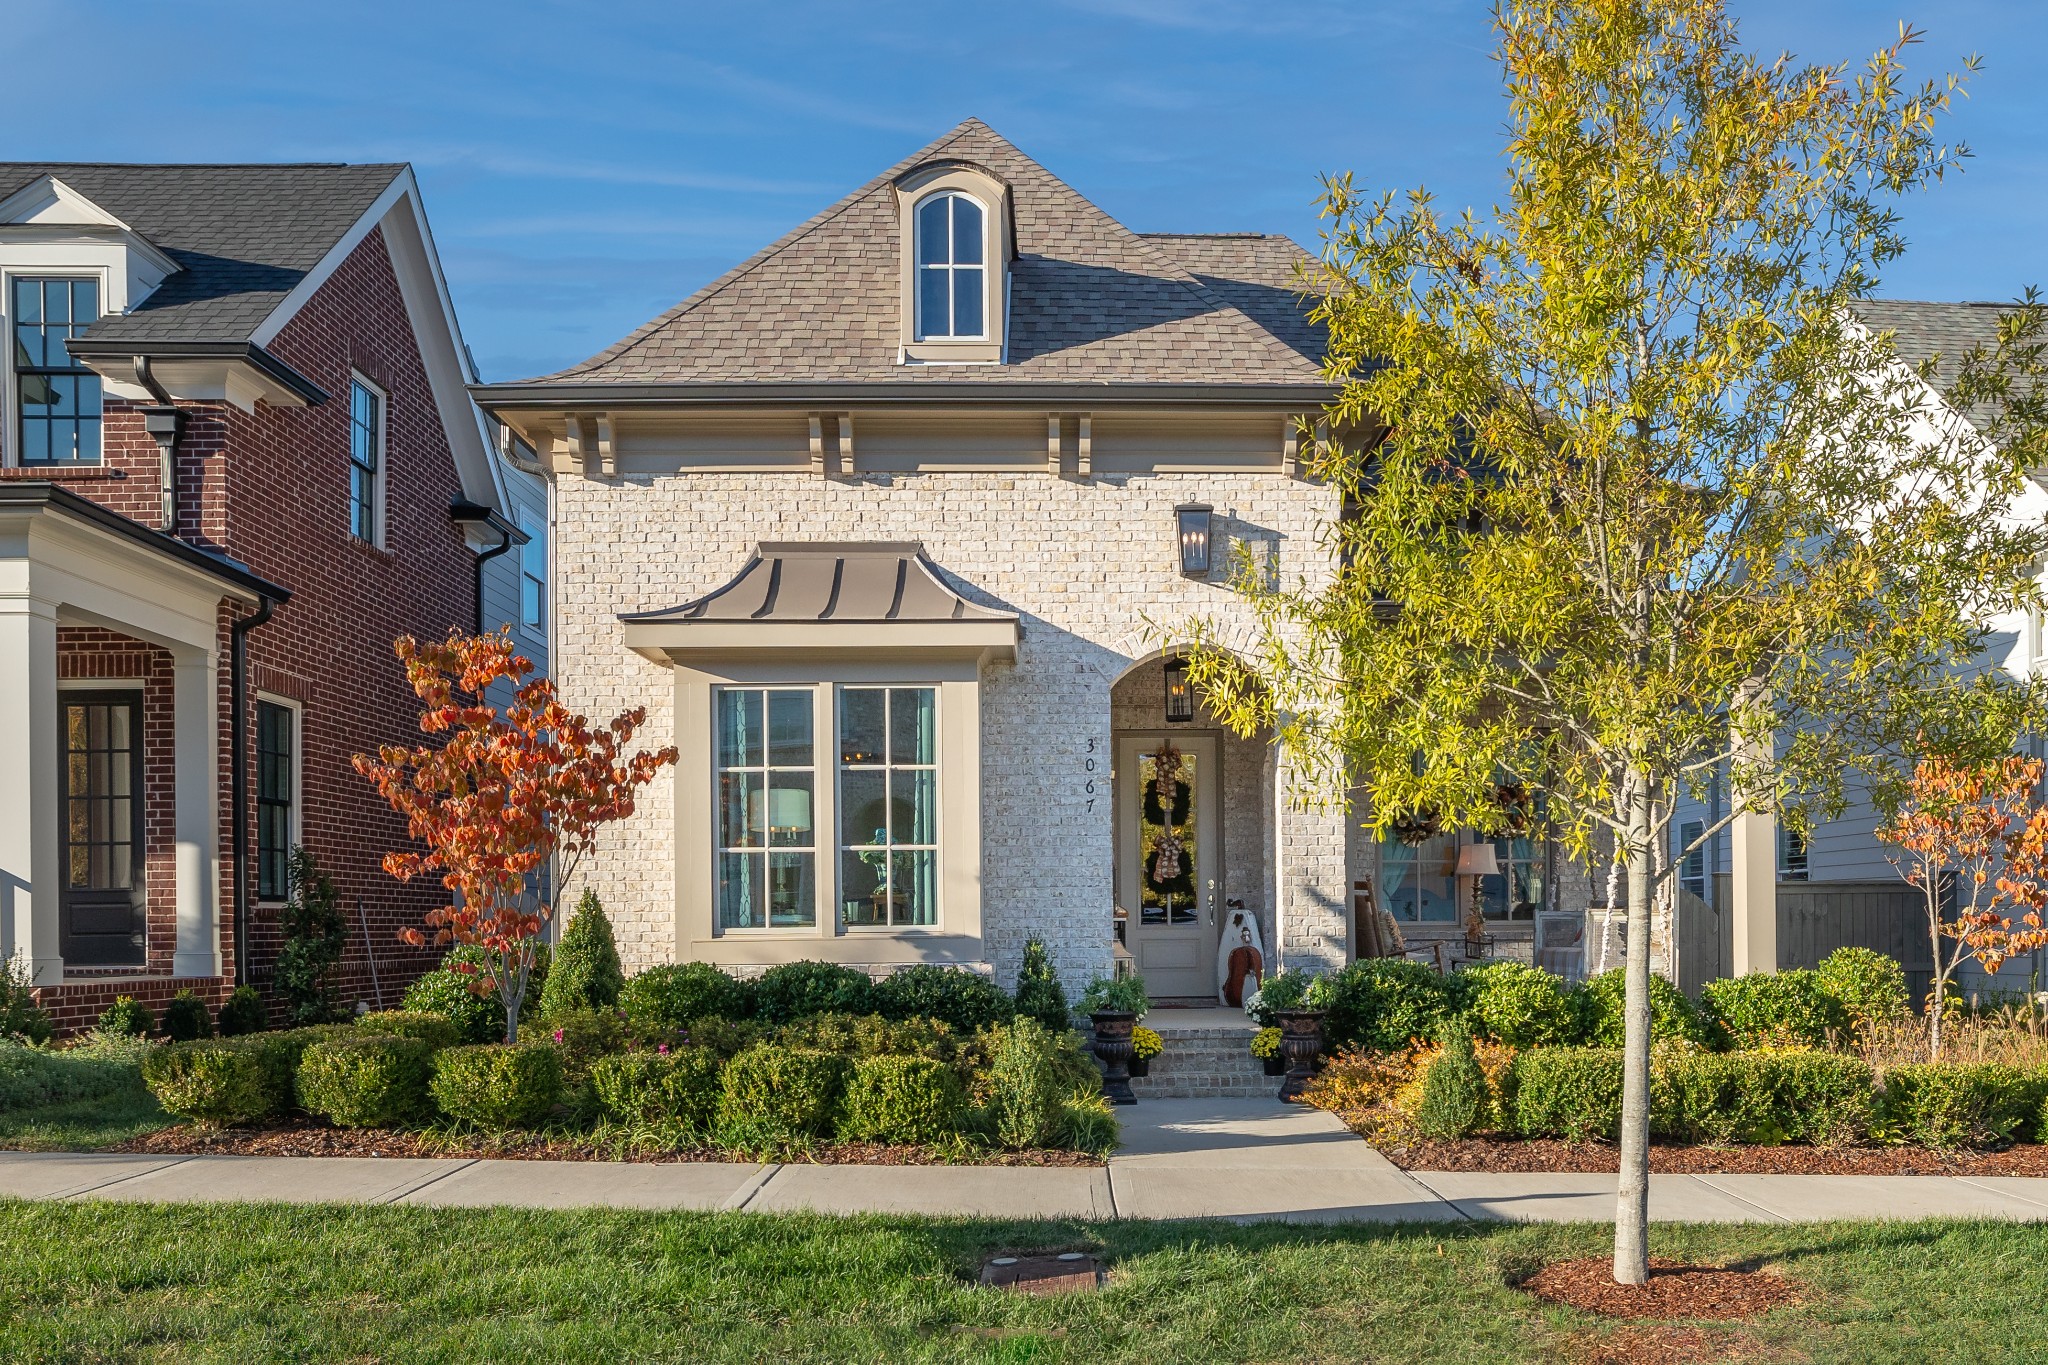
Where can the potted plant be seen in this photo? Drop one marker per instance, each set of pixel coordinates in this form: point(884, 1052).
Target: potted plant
point(1266, 1047)
point(1301, 1038)
point(1114, 1004)
point(1145, 1045)
point(1280, 991)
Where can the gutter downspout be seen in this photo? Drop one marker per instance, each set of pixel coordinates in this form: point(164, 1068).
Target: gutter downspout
point(468, 514)
point(165, 422)
point(504, 544)
point(238, 782)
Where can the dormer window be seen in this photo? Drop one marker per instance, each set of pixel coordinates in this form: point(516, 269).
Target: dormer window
point(952, 269)
point(58, 399)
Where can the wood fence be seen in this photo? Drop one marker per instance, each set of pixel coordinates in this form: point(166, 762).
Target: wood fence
point(1814, 919)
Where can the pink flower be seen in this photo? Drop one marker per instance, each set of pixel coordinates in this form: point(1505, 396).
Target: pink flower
point(662, 1050)
point(558, 1035)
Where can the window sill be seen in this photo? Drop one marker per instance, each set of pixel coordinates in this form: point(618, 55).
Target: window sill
point(61, 473)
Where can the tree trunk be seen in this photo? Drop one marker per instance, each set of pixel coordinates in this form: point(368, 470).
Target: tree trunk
point(1632, 1195)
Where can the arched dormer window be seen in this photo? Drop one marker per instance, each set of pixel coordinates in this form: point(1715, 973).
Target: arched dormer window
point(957, 242)
point(952, 268)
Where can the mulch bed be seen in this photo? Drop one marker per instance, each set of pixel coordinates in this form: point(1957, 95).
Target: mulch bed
point(1674, 1290)
point(1664, 1344)
point(308, 1138)
point(1537, 1155)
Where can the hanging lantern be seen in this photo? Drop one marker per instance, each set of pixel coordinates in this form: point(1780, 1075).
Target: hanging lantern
point(1180, 693)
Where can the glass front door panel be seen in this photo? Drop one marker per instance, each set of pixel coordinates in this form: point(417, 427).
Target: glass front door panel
point(103, 883)
point(1169, 851)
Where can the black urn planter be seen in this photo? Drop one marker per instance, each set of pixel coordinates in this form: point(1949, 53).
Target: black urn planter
point(1301, 1042)
point(1113, 1046)
point(1140, 1066)
point(1276, 1065)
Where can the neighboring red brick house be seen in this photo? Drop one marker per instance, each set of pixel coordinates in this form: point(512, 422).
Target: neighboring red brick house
point(238, 459)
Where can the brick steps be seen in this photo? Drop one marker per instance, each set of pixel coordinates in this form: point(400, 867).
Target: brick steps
point(1204, 1063)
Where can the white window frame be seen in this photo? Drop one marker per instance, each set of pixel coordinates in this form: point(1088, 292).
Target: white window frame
point(952, 268)
point(10, 397)
point(380, 481)
point(295, 833)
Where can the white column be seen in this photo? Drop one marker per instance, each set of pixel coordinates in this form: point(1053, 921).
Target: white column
point(31, 856)
point(1311, 882)
point(195, 757)
point(1754, 839)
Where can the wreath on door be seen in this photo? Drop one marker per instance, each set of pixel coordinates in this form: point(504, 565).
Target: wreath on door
point(1168, 800)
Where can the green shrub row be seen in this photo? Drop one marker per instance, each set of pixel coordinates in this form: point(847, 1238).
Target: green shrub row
point(31, 1077)
point(1765, 1097)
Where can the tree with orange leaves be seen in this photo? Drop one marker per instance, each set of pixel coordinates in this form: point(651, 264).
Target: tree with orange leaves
point(1975, 835)
point(500, 798)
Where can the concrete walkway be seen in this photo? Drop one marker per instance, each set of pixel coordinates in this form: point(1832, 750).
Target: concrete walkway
point(1247, 1160)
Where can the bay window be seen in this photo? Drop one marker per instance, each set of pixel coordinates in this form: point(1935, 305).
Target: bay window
point(888, 806)
point(767, 779)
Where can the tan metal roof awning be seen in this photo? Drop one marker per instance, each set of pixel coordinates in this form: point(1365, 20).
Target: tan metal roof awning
point(873, 598)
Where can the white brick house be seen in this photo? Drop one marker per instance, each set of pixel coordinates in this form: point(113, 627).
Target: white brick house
point(927, 457)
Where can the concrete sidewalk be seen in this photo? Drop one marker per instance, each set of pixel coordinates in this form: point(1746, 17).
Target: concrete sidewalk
point(1246, 1160)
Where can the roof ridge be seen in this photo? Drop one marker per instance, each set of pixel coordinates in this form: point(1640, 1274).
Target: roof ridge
point(214, 165)
point(787, 240)
point(1248, 235)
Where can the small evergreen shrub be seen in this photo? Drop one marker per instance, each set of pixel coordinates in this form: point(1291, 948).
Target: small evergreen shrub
point(452, 995)
point(1870, 987)
point(912, 1100)
point(243, 1013)
point(186, 1018)
point(1521, 1006)
point(1039, 993)
point(1029, 1086)
point(1941, 1104)
point(1454, 1092)
point(216, 1082)
point(21, 1017)
point(796, 990)
point(726, 1037)
point(582, 1037)
point(1761, 1097)
point(771, 1094)
point(870, 1035)
point(584, 972)
point(1382, 1004)
point(31, 1077)
point(128, 1015)
point(1776, 1008)
point(1603, 1017)
point(1568, 1092)
point(498, 1085)
point(371, 1080)
point(953, 995)
point(435, 1030)
point(678, 1086)
point(1088, 1124)
point(676, 995)
point(315, 932)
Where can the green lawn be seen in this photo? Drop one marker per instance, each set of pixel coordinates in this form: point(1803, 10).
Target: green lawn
point(83, 1126)
point(261, 1283)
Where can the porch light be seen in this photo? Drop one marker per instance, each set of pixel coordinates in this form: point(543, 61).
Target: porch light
point(1180, 694)
point(1192, 519)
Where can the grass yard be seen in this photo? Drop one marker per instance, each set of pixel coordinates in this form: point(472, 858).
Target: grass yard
point(266, 1283)
point(84, 1125)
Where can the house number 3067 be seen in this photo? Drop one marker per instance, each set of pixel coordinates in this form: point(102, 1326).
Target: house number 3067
point(1088, 765)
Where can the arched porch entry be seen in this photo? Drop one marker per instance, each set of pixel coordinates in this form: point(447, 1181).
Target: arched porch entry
point(1193, 807)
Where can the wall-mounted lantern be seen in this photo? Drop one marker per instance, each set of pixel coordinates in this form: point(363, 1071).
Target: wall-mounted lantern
point(1192, 521)
point(1180, 694)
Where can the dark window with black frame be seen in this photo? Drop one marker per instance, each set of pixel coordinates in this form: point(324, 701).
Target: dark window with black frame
point(1692, 857)
point(58, 399)
point(1791, 854)
point(276, 791)
point(365, 455)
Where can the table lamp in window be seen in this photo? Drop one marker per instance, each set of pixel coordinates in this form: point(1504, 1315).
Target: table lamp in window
point(1476, 861)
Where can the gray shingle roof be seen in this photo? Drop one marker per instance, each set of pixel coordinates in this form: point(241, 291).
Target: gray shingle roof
point(1945, 332)
point(243, 235)
point(1090, 300)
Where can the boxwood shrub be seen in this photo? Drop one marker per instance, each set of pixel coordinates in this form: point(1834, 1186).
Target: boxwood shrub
point(1383, 1003)
point(967, 1000)
point(435, 1030)
point(771, 1094)
point(796, 990)
point(870, 1035)
point(128, 1015)
point(1762, 1097)
point(1776, 1008)
point(31, 1077)
point(1938, 1104)
point(1568, 1092)
point(498, 1085)
point(243, 1012)
point(678, 1086)
point(217, 1082)
point(902, 1099)
point(1870, 987)
point(451, 995)
point(1521, 1006)
point(373, 1080)
point(675, 995)
point(186, 1018)
point(1603, 1020)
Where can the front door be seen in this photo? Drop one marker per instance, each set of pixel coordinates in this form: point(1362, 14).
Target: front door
point(102, 906)
point(1169, 859)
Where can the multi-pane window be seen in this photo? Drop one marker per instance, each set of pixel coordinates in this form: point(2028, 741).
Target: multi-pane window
point(102, 817)
point(276, 792)
point(951, 269)
point(1692, 857)
point(888, 806)
point(365, 459)
point(767, 777)
point(533, 574)
point(57, 398)
point(1791, 854)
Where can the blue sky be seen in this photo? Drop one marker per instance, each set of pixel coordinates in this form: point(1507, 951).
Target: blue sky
point(586, 165)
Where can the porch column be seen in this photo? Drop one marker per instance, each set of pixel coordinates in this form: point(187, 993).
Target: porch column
point(1310, 880)
point(195, 704)
point(1753, 916)
point(31, 856)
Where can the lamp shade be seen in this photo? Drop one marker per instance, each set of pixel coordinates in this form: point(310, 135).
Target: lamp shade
point(787, 808)
point(1478, 860)
point(1191, 523)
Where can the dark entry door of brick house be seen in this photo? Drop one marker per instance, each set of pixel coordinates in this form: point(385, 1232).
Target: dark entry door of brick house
point(102, 910)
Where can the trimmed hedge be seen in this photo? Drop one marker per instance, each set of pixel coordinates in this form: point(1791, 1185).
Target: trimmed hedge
point(1762, 1097)
point(1776, 1008)
point(435, 1030)
point(1568, 1092)
point(448, 995)
point(1870, 986)
point(967, 1000)
point(370, 1081)
point(902, 1099)
point(1603, 1021)
point(243, 1012)
point(676, 995)
point(1980, 1104)
point(498, 1085)
point(796, 990)
point(772, 1094)
point(31, 1077)
point(679, 1086)
point(1520, 1005)
point(216, 1082)
point(870, 1035)
point(1385, 1003)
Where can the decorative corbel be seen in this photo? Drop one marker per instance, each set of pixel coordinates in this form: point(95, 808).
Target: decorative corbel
point(818, 444)
point(1054, 463)
point(1084, 449)
point(1290, 445)
point(607, 452)
point(573, 447)
point(846, 461)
